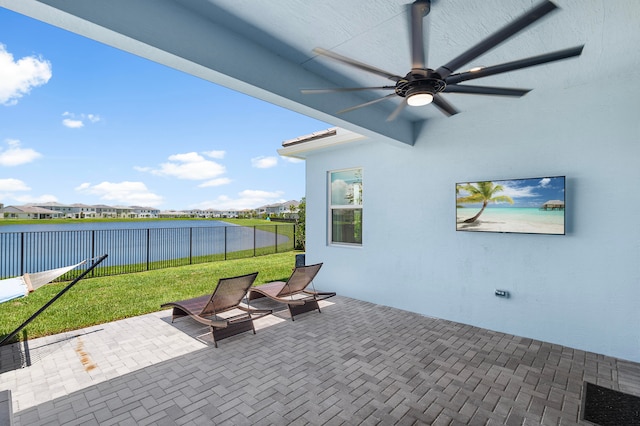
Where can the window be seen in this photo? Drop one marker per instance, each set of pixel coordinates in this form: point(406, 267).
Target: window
point(345, 206)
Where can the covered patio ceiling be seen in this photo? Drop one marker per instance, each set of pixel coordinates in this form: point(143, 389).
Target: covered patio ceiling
point(265, 48)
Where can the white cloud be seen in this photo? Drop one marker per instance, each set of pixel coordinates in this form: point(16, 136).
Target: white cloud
point(77, 121)
point(72, 124)
point(219, 155)
point(127, 193)
point(264, 162)
point(339, 190)
point(12, 185)
point(544, 182)
point(82, 186)
point(17, 78)
point(46, 198)
point(189, 157)
point(525, 191)
point(9, 187)
point(519, 192)
point(14, 155)
point(190, 165)
point(247, 199)
point(215, 182)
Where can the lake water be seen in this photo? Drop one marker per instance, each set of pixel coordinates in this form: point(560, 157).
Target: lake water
point(33, 248)
point(89, 226)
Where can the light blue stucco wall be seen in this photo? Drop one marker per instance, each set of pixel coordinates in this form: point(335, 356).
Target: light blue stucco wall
point(581, 289)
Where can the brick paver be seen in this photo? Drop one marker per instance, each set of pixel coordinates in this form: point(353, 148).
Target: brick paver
point(356, 363)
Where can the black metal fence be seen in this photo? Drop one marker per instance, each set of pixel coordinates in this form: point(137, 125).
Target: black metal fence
point(136, 250)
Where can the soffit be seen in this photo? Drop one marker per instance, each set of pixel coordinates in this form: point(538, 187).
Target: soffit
point(264, 48)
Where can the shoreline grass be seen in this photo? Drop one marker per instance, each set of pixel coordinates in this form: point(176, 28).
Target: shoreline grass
point(243, 222)
point(94, 301)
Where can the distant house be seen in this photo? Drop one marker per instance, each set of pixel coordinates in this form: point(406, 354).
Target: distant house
point(144, 212)
point(81, 211)
point(209, 213)
point(553, 205)
point(199, 213)
point(124, 212)
point(28, 212)
point(66, 210)
point(173, 214)
point(286, 209)
point(105, 211)
point(212, 213)
point(229, 214)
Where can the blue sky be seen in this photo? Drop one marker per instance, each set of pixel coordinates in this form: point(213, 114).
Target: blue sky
point(81, 122)
point(530, 192)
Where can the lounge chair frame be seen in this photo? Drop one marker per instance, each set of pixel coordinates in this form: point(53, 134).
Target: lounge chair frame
point(293, 292)
point(227, 296)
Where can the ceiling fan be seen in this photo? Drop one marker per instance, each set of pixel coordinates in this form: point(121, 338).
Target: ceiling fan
point(422, 85)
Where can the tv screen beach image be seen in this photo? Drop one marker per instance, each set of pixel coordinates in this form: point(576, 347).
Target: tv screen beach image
point(529, 206)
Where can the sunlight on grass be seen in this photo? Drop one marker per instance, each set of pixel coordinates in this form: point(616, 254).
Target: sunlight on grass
point(98, 300)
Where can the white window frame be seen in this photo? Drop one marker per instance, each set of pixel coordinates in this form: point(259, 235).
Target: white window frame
point(358, 204)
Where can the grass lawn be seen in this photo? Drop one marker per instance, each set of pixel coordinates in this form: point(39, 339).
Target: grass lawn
point(98, 300)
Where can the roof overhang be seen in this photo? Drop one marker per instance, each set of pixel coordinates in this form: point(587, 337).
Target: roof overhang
point(320, 141)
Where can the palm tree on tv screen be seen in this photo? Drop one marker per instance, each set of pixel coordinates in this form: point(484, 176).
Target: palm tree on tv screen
point(482, 192)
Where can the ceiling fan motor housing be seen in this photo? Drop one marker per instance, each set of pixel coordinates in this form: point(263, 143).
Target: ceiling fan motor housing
point(422, 85)
point(420, 81)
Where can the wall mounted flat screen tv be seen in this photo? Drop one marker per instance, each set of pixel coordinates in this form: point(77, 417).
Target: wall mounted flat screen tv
point(527, 206)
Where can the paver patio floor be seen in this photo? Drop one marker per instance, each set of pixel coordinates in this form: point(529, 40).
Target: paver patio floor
point(356, 363)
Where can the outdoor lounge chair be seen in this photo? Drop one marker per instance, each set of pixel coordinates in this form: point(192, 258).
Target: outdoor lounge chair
point(294, 291)
point(222, 311)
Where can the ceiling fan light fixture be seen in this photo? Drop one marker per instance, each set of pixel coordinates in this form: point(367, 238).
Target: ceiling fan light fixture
point(419, 99)
point(422, 84)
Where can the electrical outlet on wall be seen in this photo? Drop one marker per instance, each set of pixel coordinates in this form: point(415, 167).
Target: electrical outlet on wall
point(502, 293)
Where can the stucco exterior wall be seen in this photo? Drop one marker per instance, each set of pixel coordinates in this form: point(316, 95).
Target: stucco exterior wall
point(581, 289)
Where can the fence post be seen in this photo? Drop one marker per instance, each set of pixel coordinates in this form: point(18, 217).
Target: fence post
point(93, 250)
point(254, 240)
point(276, 235)
point(190, 246)
point(148, 246)
point(295, 242)
point(22, 253)
point(225, 242)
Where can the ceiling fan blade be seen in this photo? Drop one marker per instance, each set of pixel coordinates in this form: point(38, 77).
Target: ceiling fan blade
point(419, 9)
point(354, 63)
point(515, 65)
point(444, 106)
point(496, 38)
point(343, 89)
point(396, 112)
point(375, 101)
point(486, 90)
